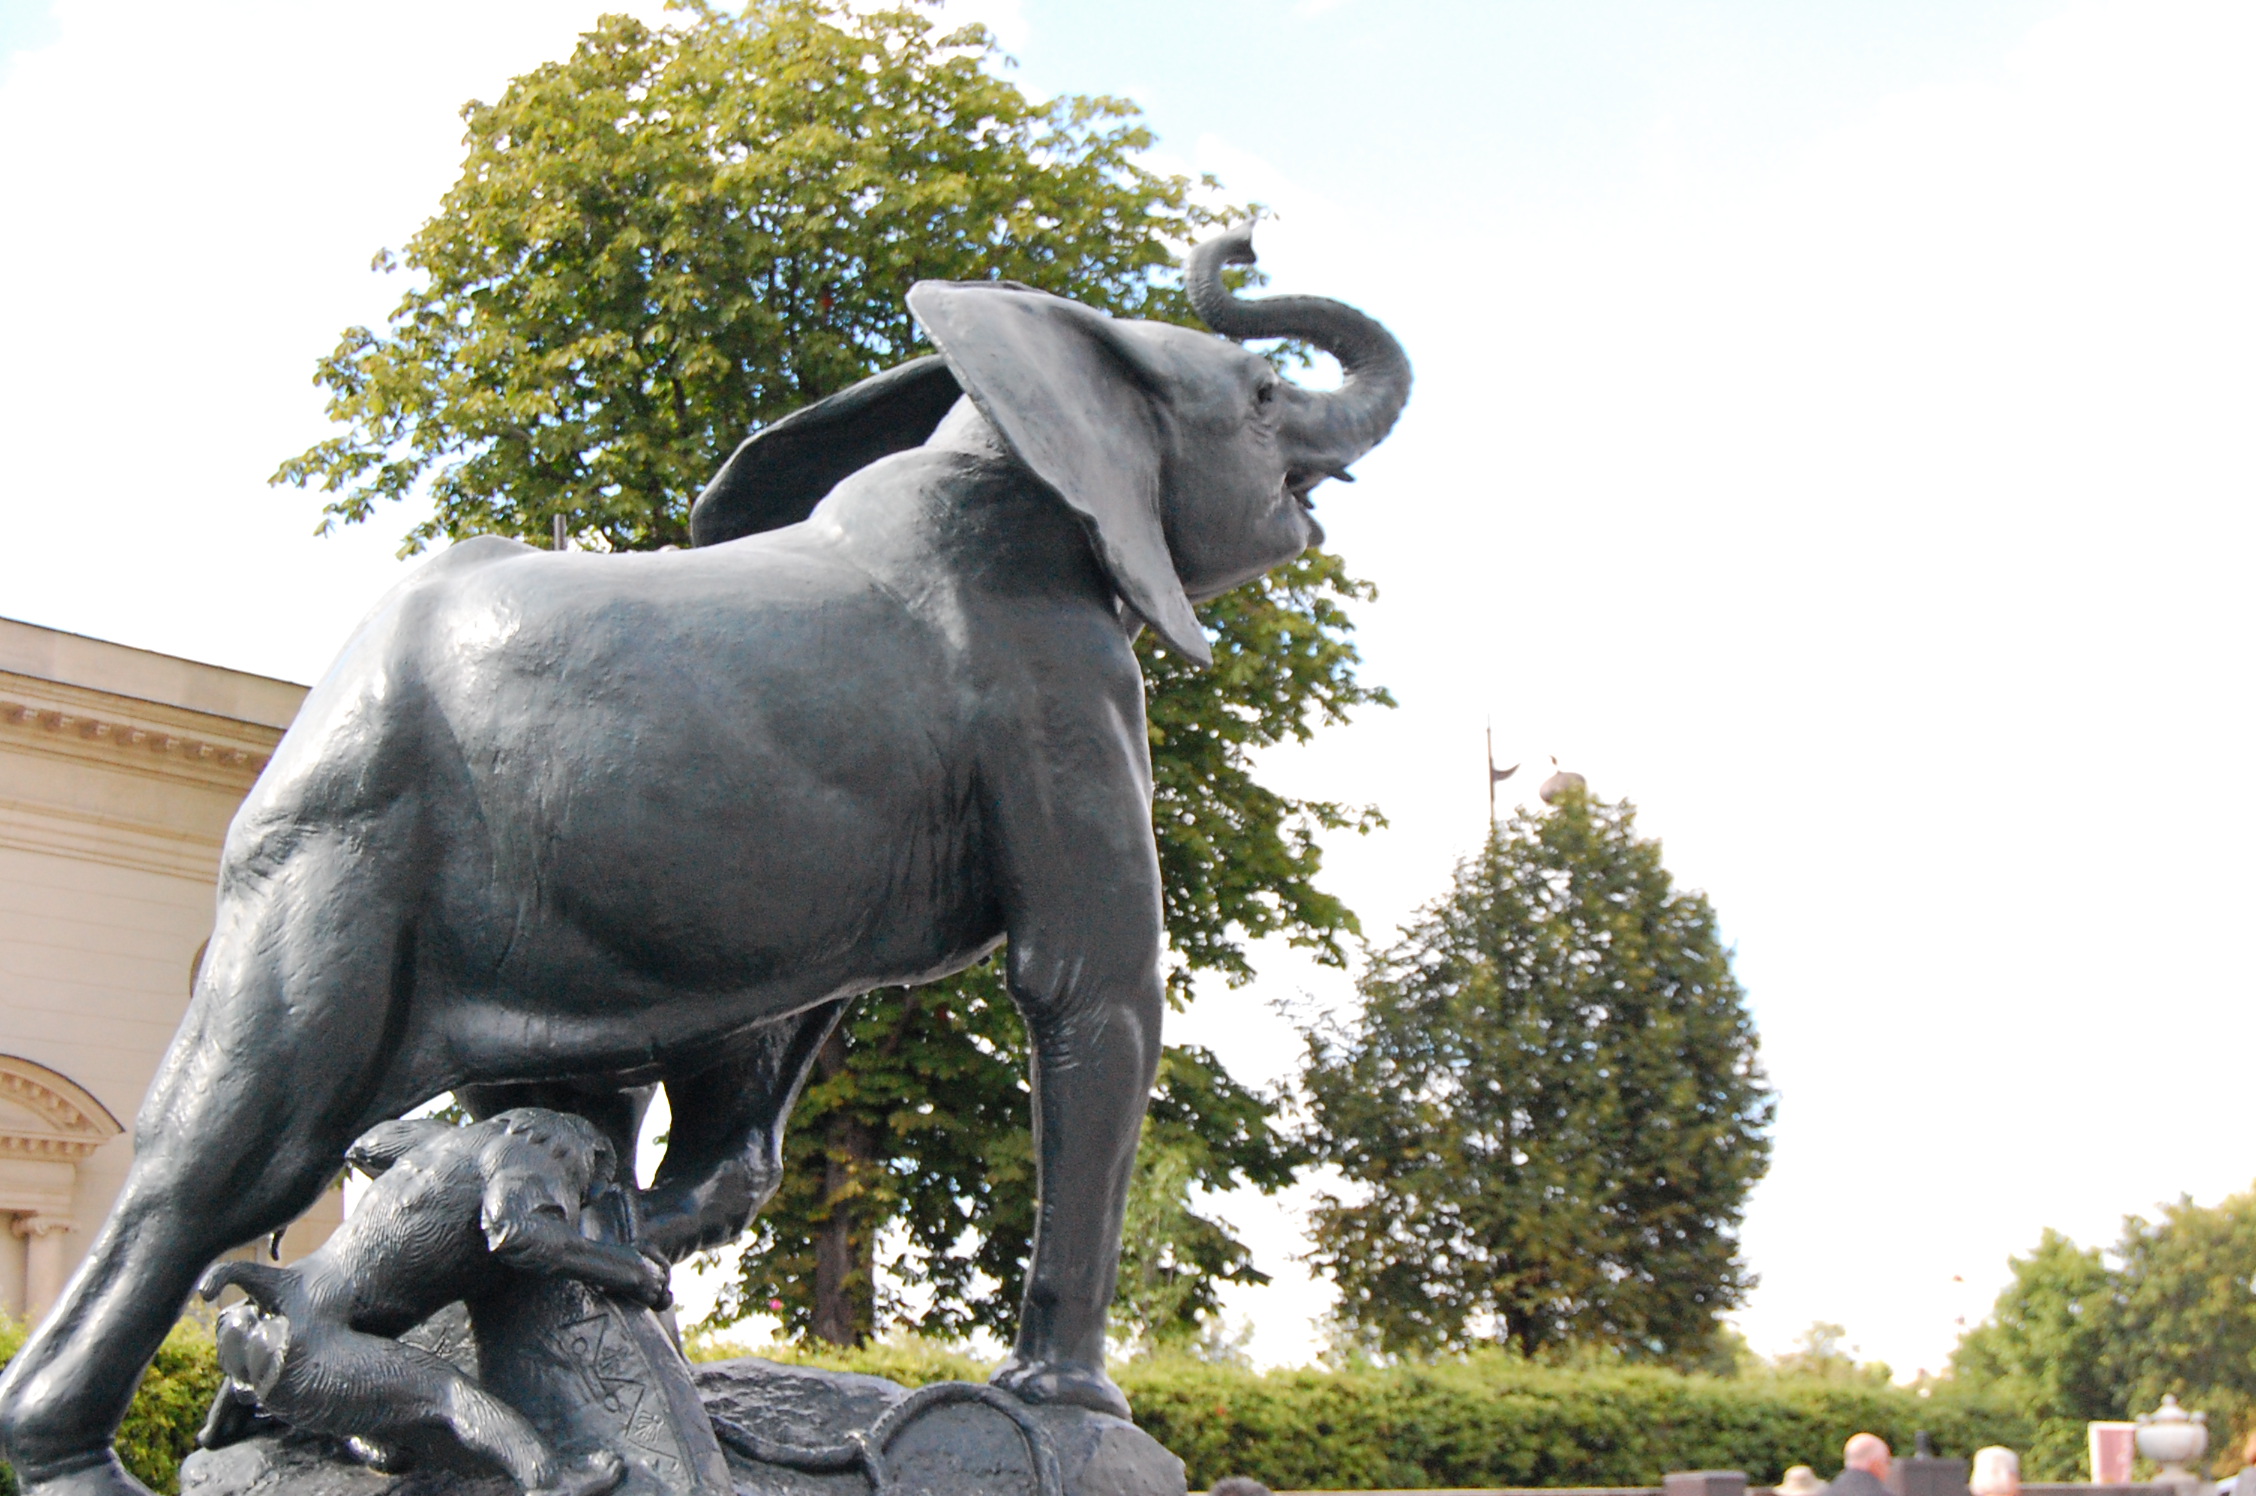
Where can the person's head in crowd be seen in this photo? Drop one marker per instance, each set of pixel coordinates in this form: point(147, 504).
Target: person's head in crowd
point(1238, 1485)
point(1997, 1472)
point(1800, 1480)
point(1869, 1453)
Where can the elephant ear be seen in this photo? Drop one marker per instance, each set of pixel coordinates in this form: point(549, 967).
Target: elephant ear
point(1074, 407)
point(779, 475)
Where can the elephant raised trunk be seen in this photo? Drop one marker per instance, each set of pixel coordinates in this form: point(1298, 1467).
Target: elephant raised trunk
point(1323, 431)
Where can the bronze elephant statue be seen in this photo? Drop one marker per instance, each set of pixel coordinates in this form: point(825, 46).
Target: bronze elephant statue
point(599, 821)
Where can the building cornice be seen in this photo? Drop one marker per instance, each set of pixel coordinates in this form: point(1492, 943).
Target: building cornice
point(132, 736)
point(47, 1147)
point(45, 654)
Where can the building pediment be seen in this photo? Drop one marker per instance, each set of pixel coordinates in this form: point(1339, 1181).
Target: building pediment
point(46, 1116)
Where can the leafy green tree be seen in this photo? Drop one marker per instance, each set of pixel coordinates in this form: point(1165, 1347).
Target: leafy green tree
point(1549, 1107)
point(2187, 1314)
point(2077, 1337)
point(2046, 1347)
point(680, 233)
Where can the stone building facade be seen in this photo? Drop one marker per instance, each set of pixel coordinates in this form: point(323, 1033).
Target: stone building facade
point(119, 772)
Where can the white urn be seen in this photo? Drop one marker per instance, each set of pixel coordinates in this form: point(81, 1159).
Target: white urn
point(2173, 1439)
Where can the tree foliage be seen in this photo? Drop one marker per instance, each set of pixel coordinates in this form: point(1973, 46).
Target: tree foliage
point(1821, 1353)
point(2045, 1347)
point(678, 234)
point(1549, 1107)
point(2078, 1335)
point(1203, 1131)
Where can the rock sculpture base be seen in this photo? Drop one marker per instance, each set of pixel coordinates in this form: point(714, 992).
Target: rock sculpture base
point(594, 1371)
point(956, 1450)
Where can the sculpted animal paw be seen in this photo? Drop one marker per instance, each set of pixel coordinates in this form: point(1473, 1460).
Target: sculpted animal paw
point(592, 1474)
point(657, 1293)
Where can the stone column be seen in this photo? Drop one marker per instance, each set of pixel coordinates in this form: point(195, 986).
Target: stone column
point(46, 1261)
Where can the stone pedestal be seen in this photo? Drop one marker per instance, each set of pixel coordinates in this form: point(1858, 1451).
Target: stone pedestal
point(961, 1450)
point(591, 1370)
point(965, 1450)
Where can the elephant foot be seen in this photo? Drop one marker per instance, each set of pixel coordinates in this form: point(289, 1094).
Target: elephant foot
point(100, 1476)
point(1061, 1382)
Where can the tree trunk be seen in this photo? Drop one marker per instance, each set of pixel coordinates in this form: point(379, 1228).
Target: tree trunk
point(845, 1306)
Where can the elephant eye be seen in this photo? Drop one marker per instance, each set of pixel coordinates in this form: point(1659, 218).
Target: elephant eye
point(1264, 393)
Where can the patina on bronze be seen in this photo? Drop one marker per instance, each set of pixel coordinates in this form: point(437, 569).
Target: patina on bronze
point(621, 819)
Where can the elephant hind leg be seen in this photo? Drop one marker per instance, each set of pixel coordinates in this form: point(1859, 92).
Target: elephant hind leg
point(724, 1159)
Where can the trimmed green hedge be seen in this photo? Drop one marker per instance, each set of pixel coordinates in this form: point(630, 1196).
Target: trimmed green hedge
point(1488, 1420)
point(1499, 1421)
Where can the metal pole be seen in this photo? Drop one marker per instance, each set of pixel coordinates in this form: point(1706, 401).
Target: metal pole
point(1493, 775)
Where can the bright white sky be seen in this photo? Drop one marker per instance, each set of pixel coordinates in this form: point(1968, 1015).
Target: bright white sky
point(1833, 433)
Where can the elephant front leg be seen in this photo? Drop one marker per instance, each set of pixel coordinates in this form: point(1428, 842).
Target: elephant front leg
point(724, 1157)
point(1096, 1053)
point(1072, 831)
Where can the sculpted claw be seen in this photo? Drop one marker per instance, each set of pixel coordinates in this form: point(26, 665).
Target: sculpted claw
point(593, 1474)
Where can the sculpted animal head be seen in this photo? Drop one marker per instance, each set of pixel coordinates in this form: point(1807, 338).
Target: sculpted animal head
point(574, 1148)
point(253, 1344)
point(1188, 460)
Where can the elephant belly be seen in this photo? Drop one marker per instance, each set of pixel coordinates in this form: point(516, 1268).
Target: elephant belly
point(704, 819)
point(621, 965)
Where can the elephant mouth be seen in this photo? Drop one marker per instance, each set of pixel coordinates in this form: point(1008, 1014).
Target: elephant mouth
point(1304, 495)
point(1302, 481)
